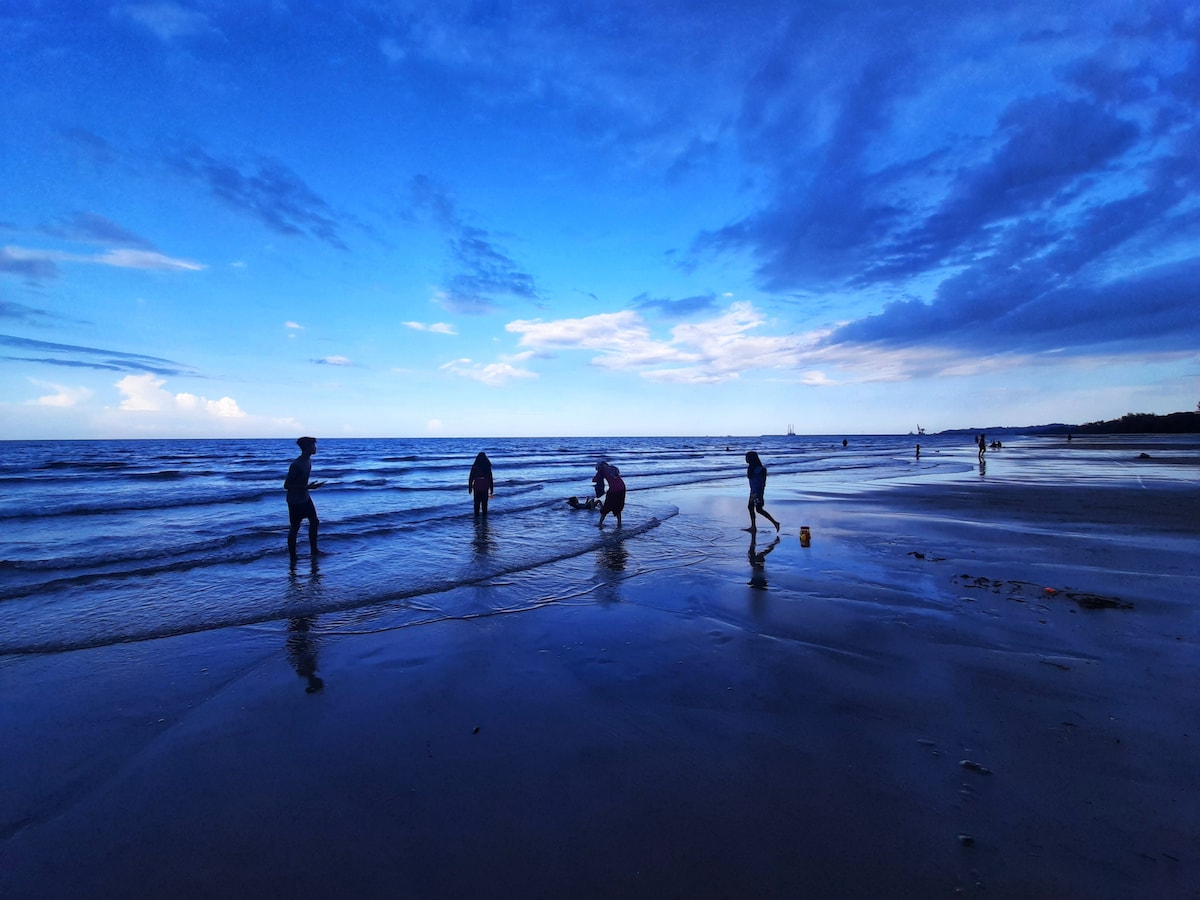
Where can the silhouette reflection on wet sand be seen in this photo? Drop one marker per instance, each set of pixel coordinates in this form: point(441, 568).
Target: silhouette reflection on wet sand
point(758, 561)
point(302, 647)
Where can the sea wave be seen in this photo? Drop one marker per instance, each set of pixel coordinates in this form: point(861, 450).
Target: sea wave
point(218, 590)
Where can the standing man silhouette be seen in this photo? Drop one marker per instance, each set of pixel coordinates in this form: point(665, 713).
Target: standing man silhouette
point(614, 498)
point(300, 505)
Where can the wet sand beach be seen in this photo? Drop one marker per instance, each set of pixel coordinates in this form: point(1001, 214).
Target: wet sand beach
point(971, 686)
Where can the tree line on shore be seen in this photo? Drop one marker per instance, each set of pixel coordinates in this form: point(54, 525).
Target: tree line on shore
point(1130, 423)
point(1146, 423)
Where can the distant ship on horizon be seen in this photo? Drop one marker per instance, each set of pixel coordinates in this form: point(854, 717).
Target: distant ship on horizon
point(791, 432)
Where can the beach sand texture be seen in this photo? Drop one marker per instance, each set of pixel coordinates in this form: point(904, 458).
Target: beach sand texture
point(978, 685)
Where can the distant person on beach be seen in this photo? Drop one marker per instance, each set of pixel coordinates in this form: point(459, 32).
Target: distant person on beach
point(982, 446)
point(614, 497)
point(756, 473)
point(589, 504)
point(480, 483)
point(918, 451)
point(300, 505)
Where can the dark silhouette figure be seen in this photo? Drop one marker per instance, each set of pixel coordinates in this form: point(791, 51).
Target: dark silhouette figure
point(614, 497)
point(300, 504)
point(590, 503)
point(982, 447)
point(918, 451)
point(758, 561)
point(302, 652)
point(481, 484)
point(756, 473)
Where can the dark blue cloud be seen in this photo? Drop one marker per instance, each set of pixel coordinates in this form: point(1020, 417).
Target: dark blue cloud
point(265, 189)
point(995, 307)
point(676, 309)
point(1039, 234)
point(34, 268)
point(74, 356)
point(480, 270)
point(828, 208)
point(90, 146)
point(22, 313)
point(1156, 305)
point(92, 228)
point(697, 156)
point(1042, 271)
point(1048, 145)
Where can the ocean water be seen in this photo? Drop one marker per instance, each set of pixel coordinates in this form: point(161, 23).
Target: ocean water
point(112, 541)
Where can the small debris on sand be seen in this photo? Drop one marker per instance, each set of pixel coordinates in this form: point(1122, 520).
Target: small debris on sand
point(1023, 591)
point(974, 767)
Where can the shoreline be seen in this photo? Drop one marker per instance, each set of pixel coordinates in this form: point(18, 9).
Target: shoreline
point(696, 723)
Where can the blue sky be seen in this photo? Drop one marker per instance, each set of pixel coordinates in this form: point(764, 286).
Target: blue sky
point(369, 218)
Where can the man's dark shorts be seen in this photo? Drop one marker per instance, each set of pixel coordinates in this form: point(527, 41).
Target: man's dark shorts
point(614, 502)
point(298, 512)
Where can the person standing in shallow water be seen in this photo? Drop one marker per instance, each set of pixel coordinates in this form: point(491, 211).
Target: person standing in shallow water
point(300, 505)
point(614, 498)
point(480, 483)
point(756, 473)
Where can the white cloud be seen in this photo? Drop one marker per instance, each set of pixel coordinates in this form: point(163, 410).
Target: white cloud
point(168, 20)
point(144, 393)
point(63, 396)
point(817, 379)
point(143, 259)
point(689, 375)
point(333, 361)
point(726, 347)
point(392, 51)
point(704, 352)
point(435, 328)
point(293, 326)
point(122, 258)
point(601, 331)
point(494, 374)
point(226, 407)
